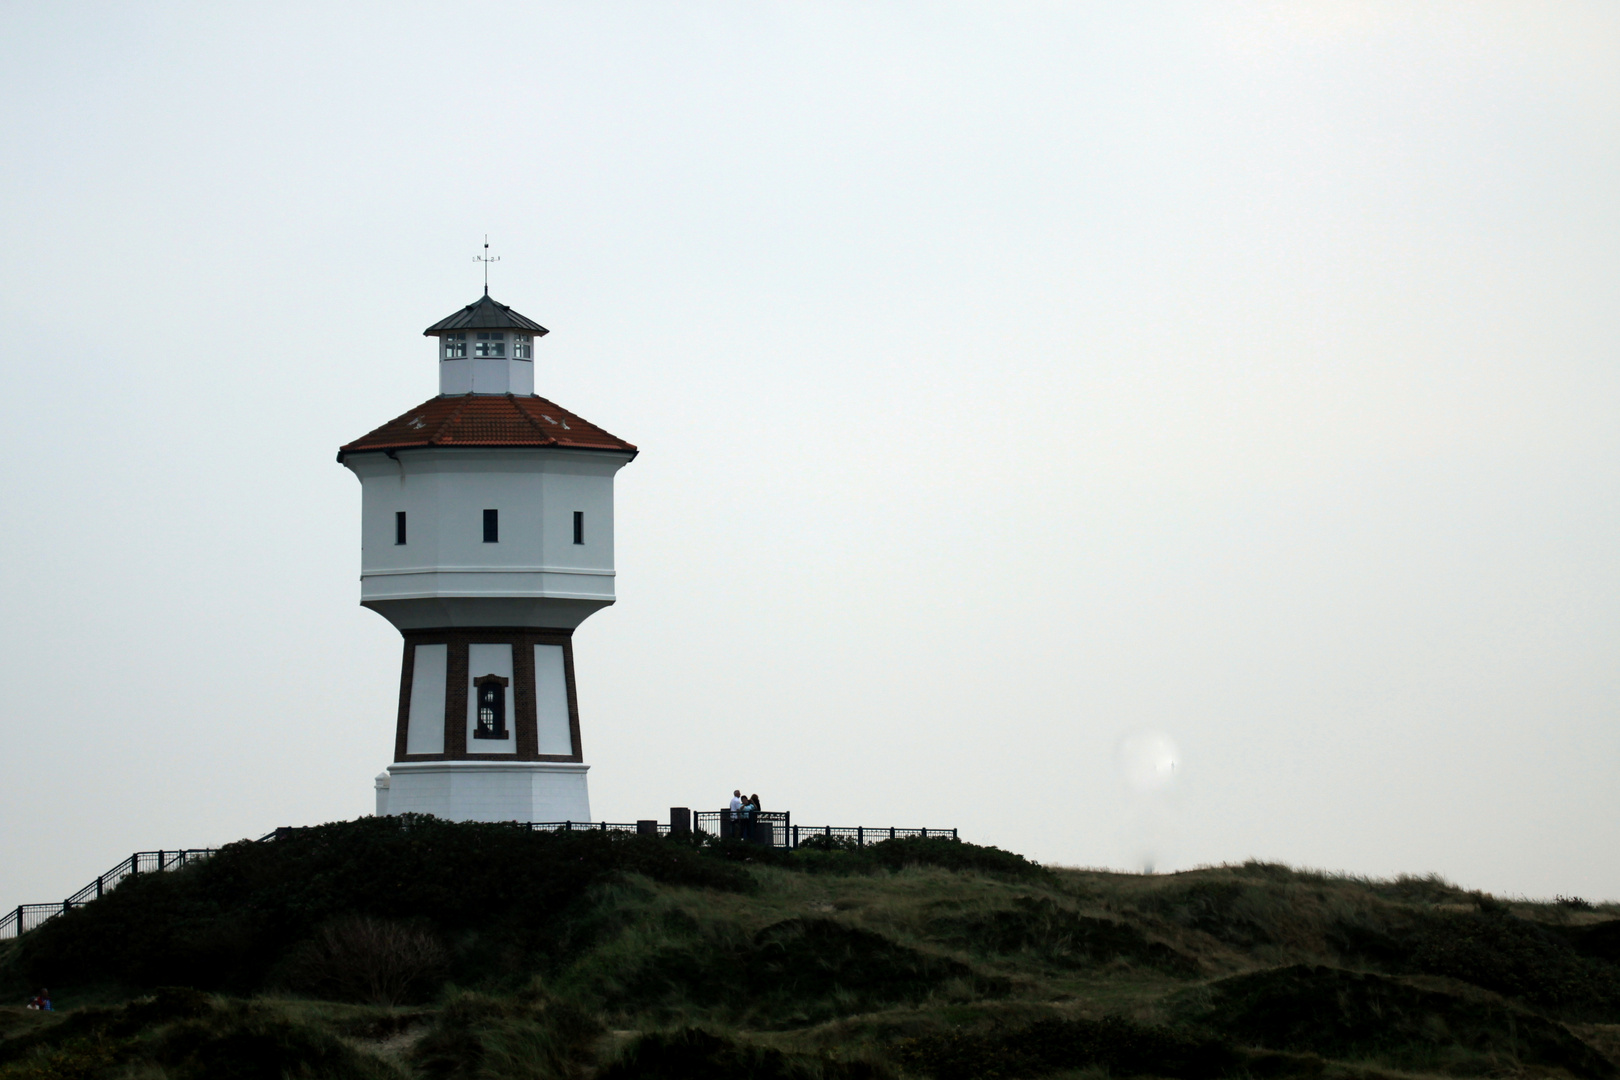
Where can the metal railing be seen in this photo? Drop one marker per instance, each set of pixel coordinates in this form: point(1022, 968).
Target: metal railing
point(648, 828)
point(25, 917)
point(771, 827)
point(865, 834)
point(779, 831)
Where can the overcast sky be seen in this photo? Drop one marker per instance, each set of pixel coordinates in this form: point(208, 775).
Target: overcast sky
point(1014, 383)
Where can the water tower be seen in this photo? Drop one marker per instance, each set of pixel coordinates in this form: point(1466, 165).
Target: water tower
point(486, 539)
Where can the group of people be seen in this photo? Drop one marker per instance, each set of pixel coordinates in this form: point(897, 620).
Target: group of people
point(744, 812)
point(41, 1001)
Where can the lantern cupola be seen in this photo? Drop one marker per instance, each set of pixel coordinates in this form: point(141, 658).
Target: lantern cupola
point(486, 348)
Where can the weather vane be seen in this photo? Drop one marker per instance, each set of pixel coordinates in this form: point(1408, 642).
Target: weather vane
point(486, 260)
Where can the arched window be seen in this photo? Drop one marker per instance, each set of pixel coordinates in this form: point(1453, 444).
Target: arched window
point(491, 701)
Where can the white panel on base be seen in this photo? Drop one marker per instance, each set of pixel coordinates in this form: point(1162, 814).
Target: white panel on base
point(490, 790)
point(424, 730)
point(551, 701)
point(490, 660)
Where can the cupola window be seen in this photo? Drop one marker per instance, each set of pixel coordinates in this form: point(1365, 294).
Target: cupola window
point(491, 707)
point(455, 346)
point(523, 346)
point(491, 344)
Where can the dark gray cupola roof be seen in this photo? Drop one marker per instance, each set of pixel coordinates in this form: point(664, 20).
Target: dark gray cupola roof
point(485, 314)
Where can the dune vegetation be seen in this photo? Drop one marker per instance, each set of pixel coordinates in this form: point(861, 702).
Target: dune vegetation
point(408, 947)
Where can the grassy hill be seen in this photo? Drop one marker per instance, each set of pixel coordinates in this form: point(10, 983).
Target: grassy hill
point(395, 948)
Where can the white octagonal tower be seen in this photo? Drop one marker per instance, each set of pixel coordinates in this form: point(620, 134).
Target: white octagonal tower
point(486, 538)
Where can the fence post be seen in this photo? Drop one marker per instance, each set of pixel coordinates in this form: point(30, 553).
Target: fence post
point(98, 888)
point(795, 836)
point(953, 834)
point(568, 826)
point(135, 863)
point(65, 907)
point(891, 832)
point(860, 836)
point(925, 832)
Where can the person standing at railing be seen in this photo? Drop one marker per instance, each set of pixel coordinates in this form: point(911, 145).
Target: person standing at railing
point(753, 814)
point(748, 819)
point(736, 815)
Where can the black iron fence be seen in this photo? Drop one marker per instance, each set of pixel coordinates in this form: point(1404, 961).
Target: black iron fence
point(646, 828)
point(865, 834)
point(778, 830)
point(24, 917)
point(771, 827)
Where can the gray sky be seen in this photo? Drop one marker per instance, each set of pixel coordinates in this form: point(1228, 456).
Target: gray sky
point(1011, 380)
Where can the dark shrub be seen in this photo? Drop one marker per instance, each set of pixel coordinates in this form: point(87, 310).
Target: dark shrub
point(222, 924)
point(478, 1037)
point(191, 1037)
point(818, 958)
point(794, 972)
point(1121, 1046)
point(244, 1045)
point(1511, 956)
point(691, 1053)
point(1061, 937)
point(843, 856)
point(1240, 913)
point(358, 958)
point(1600, 941)
point(1346, 1014)
point(110, 1026)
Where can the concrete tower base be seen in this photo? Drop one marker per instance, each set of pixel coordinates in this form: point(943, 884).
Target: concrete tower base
point(486, 790)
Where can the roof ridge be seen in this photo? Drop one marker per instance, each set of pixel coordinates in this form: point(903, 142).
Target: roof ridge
point(455, 414)
point(521, 411)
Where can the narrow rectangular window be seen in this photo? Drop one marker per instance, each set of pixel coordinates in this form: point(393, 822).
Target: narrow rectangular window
point(579, 526)
point(492, 526)
point(399, 526)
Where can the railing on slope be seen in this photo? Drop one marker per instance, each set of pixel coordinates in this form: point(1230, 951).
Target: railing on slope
point(24, 917)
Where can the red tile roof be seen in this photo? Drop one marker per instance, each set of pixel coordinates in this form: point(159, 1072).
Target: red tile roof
point(487, 420)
